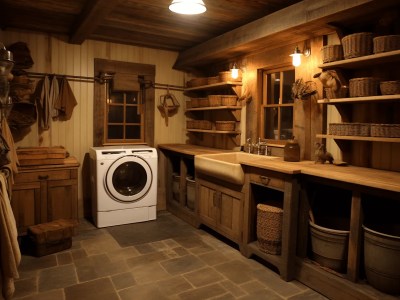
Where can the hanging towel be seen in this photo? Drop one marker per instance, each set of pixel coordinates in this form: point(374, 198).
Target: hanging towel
point(44, 104)
point(53, 96)
point(66, 101)
point(9, 249)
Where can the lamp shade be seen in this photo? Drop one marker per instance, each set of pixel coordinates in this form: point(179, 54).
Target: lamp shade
point(188, 7)
point(234, 72)
point(296, 57)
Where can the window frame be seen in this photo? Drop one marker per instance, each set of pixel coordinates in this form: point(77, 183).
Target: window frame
point(264, 102)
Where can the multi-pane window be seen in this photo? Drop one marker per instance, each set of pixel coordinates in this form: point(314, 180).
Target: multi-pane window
point(124, 118)
point(277, 104)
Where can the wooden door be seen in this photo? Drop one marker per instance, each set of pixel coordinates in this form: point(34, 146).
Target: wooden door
point(230, 212)
point(62, 199)
point(26, 205)
point(207, 205)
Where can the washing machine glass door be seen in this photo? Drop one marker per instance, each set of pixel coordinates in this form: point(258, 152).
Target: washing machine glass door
point(129, 179)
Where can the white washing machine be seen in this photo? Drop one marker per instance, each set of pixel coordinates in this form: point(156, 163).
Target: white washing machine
point(123, 184)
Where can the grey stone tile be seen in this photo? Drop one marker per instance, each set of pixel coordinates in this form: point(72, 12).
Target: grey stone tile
point(182, 264)
point(25, 287)
point(123, 280)
point(190, 241)
point(203, 277)
point(64, 258)
point(272, 280)
point(78, 254)
point(145, 248)
point(170, 243)
point(233, 288)
point(145, 259)
point(57, 277)
point(236, 271)
point(180, 251)
point(150, 273)
point(203, 248)
point(30, 263)
point(262, 295)
point(147, 292)
point(206, 292)
point(100, 244)
point(173, 286)
point(308, 295)
point(122, 253)
point(49, 295)
point(227, 296)
point(100, 289)
point(159, 246)
point(213, 258)
point(252, 286)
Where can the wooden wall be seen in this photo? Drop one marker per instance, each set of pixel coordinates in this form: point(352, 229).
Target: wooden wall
point(52, 54)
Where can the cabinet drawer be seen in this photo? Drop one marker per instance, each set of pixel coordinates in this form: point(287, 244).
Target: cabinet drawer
point(267, 178)
point(42, 175)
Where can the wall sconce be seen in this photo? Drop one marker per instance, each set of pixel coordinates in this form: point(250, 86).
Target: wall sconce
point(297, 54)
point(188, 7)
point(234, 71)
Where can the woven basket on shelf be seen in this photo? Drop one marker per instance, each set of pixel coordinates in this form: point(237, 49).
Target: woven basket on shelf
point(213, 80)
point(390, 87)
point(386, 43)
point(269, 228)
point(203, 102)
point(214, 100)
point(332, 53)
point(225, 125)
point(385, 130)
point(357, 44)
point(229, 100)
point(205, 124)
point(349, 129)
point(227, 76)
point(197, 82)
point(363, 86)
point(194, 102)
point(190, 124)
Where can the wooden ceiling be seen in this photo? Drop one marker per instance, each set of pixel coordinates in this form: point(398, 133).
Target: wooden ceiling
point(147, 23)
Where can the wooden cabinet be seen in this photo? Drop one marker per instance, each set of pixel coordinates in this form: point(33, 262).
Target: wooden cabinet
point(213, 136)
point(364, 150)
point(45, 193)
point(220, 208)
point(277, 189)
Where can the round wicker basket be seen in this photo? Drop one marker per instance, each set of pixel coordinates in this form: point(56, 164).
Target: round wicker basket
point(225, 125)
point(386, 43)
point(269, 228)
point(390, 87)
point(363, 87)
point(357, 44)
point(332, 53)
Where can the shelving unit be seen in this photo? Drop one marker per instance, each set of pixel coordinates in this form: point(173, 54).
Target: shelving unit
point(217, 113)
point(359, 138)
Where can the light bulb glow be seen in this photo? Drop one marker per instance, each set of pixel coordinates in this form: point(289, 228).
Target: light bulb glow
point(234, 72)
point(188, 7)
point(296, 57)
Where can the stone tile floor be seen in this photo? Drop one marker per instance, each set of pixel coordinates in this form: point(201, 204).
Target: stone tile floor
point(162, 259)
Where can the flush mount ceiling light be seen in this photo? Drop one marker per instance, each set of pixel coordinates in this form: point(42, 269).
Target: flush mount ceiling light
point(188, 7)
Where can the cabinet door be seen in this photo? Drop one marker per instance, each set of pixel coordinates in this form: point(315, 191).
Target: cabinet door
point(62, 199)
point(229, 222)
point(207, 205)
point(26, 205)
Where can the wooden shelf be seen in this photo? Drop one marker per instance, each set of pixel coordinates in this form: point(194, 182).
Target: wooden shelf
point(359, 138)
point(215, 108)
point(214, 131)
point(214, 85)
point(360, 99)
point(364, 61)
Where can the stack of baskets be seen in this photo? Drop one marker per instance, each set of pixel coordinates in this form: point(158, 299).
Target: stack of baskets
point(214, 100)
point(269, 228)
point(225, 125)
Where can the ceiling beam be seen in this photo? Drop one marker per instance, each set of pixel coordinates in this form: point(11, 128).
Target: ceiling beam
point(91, 17)
point(305, 15)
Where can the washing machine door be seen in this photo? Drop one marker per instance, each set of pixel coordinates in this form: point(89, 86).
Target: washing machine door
point(129, 178)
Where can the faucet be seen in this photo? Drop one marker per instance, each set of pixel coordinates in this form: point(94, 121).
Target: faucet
point(249, 146)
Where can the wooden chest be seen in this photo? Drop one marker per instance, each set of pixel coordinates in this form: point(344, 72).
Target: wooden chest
point(51, 237)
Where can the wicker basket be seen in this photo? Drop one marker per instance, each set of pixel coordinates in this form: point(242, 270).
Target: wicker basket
point(194, 102)
point(386, 43)
point(197, 82)
point(225, 125)
point(336, 128)
point(332, 53)
point(205, 125)
point(385, 130)
point(269, 228)
point(190, 124)
point(214, 100)
point(357, 44)
point(390, 87)
point(226, 76)
point(203, 102)
point(363, 87)
point(229, 100)
point(213, 80)
point(349, 129)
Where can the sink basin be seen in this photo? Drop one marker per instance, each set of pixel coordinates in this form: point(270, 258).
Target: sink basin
point(225, 166)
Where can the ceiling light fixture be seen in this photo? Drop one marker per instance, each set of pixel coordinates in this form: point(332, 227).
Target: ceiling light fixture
point(297, 54)
point(188, 7)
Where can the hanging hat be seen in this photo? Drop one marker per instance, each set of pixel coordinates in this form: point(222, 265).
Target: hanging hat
point(22, 55)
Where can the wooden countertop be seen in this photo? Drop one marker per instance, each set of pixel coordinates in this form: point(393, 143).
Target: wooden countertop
point(191, 149)
point(69, 162)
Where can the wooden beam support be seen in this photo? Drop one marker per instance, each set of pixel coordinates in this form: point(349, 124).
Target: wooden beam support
point(299, 22)
point(91, 17)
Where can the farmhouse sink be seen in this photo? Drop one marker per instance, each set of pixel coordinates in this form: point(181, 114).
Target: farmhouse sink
point(225, 166)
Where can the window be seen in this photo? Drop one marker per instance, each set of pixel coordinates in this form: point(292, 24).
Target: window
point(277, 104)
point(124, 117)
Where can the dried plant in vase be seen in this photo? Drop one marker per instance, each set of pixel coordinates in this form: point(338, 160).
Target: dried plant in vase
point(302, 90)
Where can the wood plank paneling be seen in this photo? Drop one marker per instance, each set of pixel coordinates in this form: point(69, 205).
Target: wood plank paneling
point(52, 54)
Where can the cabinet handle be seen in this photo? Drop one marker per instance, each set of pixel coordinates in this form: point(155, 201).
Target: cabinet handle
point(43, 177)
point(265, 180)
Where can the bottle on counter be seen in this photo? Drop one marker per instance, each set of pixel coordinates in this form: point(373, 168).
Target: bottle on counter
point(291, 151)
